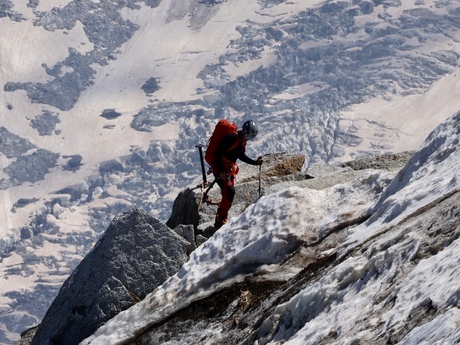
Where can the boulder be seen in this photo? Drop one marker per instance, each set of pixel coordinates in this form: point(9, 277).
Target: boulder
point(136, 254)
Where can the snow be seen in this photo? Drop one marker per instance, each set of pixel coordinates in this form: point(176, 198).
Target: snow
point(430, 175)
point(442, 330)
point(419, 285)
point(401, 121)
point(337, 301)
point(176, 61)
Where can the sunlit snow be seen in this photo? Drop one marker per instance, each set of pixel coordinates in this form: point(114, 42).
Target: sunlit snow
point(177, 43)
point(263, 234)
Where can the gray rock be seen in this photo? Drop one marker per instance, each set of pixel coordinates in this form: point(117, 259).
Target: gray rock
point(150, 86)
point(26, 336)
point(6, 10)
point(74, 163)
point(31, 168)
point(136, 254)
point(187, 232)
point(323, 170)
point(110, 114)
point(185, 209)
point(45, 123)
point(13, 146)
point(387, 161)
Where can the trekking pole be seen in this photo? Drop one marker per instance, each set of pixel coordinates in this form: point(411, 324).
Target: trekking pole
point(200, 149)
point(260, 180)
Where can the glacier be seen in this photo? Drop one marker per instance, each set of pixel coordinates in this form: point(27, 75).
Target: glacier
point(103, 103)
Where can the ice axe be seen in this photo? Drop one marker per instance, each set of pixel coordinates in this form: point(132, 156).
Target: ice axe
point(200, 150)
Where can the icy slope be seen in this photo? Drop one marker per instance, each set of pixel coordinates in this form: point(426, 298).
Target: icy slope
point(382, 275)
point(430, 176)
point(373, 295)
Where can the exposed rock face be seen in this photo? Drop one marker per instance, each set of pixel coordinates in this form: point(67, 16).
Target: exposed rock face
point(13, 146)
point(26, 336)
point(136, 254)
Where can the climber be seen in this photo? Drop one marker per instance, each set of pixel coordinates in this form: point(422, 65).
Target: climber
point(225, 169)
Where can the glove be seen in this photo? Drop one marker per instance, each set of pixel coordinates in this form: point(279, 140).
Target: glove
point(260, 161)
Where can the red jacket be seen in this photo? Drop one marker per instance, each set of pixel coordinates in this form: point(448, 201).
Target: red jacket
point(229, 151)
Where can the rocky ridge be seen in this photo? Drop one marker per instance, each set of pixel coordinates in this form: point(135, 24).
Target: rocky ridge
point(376, 261)
point(131, 267)
point(278, 172)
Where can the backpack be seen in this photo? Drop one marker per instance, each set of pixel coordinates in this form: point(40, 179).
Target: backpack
point(223, 128)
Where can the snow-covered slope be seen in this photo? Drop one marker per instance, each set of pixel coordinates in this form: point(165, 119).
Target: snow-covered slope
point(103, 103)
point(380, 276)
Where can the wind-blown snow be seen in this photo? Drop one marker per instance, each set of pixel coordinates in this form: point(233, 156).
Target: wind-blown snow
point(264, 234)
point(442, 330)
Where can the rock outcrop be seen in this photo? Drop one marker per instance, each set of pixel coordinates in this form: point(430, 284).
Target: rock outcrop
point(136, 254)
point(197, 207)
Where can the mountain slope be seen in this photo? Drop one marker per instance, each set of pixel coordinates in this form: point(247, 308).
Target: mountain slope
point(104, 102)
point(374, 260)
